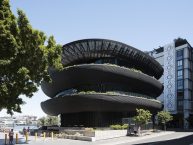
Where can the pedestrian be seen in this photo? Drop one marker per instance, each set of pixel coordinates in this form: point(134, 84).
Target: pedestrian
point(28, 130)
point(11, 134)
point(24, 131)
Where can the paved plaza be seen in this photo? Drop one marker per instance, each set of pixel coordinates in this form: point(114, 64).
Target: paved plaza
point(162, 138)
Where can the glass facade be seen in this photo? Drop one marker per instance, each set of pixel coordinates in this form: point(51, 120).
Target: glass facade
point(180, 79)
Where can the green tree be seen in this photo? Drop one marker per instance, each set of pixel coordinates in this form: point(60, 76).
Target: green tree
point(142, 117)
point(24, 58)
point(164, 117)
point(41, 121)
point(52, 120)
point(48, 121)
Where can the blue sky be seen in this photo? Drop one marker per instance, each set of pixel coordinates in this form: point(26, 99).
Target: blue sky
point(142, 24)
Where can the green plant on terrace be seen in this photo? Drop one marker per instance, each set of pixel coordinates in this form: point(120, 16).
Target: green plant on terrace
point(117, 93)
point(114, 65)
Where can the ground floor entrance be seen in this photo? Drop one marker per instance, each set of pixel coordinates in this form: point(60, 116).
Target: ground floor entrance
point(93, 119)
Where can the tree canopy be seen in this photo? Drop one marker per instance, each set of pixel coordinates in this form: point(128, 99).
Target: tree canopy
point(24, 58)
point(164, 117)
point(48, 121)
point(143, 116)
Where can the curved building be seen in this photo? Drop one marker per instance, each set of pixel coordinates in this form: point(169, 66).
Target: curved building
point(102, 82)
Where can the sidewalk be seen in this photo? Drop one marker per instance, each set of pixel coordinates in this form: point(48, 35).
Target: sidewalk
point(127, 139)
point(114, 141)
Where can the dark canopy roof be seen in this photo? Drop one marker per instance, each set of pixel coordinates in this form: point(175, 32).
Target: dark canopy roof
point(84, 50)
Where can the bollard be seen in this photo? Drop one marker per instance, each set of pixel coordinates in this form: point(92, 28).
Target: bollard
point(26, 137)
point(5, 139)
point(44, 136)
point(16, 138)
point(36, 136)
point(52, 135)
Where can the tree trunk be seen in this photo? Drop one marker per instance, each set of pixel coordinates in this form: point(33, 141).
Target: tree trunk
point(153, 120)
point(164, 127)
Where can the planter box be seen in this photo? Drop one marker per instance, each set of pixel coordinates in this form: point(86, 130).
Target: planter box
point(94, 135)
point(105, 134)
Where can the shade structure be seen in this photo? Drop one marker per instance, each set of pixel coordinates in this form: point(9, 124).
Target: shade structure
point(101, 78)
point(91, 74)
point(85, 50)
point(98, 102)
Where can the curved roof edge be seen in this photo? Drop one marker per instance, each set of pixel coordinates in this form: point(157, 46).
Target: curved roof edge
point(79, 51)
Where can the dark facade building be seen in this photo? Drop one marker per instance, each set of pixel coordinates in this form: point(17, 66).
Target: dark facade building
point(102, 82)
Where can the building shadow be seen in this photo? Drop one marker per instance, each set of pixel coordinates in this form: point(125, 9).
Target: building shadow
point(179, 141)
point(2, 141)
point(179, 130)
point(20, 141)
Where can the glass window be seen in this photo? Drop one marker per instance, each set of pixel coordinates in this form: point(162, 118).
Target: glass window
point(180, 74)
point(191, 97)
point(180, 53)
point(180, 84)
point(179, 64)
point(98, 61)
point(180, 95)
point(180, 103)
point(190, 54)
point(106, 60)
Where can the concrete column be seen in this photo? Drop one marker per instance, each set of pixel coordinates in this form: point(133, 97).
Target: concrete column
point(186, 116)
point(153, 120)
